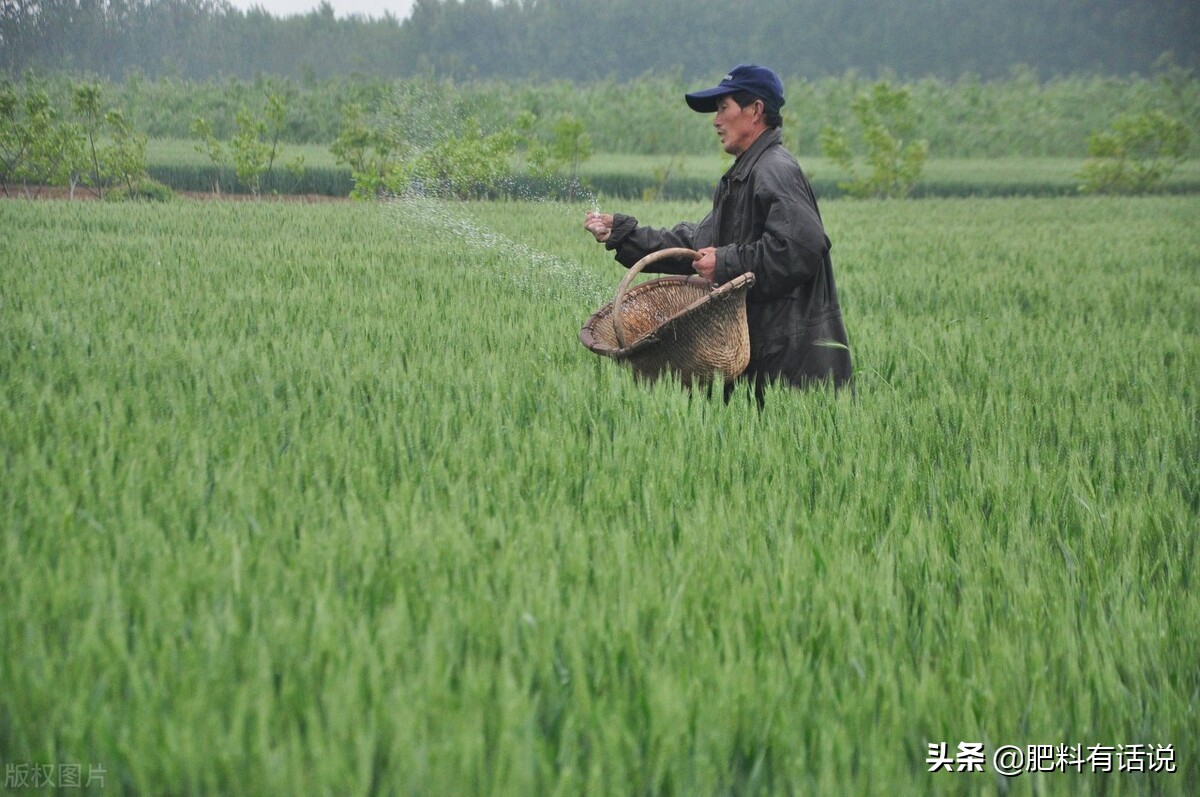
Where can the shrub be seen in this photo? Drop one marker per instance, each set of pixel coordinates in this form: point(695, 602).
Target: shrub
point(144, 190)
point(1136, 155)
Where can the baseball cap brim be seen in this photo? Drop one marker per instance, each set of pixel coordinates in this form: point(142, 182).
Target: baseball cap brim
point(706, 101)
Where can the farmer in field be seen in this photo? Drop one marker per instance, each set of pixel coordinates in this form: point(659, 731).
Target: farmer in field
point(764, 220)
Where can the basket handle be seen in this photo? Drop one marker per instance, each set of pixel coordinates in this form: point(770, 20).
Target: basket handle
point(634, 270)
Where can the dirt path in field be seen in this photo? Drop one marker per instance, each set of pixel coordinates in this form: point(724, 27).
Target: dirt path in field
point(86, 195)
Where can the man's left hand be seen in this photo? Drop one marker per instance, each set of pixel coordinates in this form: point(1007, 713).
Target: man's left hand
point(706, 262)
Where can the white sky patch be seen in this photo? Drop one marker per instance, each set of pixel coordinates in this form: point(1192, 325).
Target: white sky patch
point(342, 9)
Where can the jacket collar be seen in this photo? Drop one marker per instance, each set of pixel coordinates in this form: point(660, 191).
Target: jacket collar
point(741, 167)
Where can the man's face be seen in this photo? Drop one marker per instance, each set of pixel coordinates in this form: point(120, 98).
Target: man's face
point(737, 126)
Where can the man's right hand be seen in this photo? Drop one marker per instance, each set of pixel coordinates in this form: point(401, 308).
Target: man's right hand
point(599, 225)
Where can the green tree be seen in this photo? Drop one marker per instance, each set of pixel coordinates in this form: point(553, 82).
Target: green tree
point(210, 146)
point(37, 146)
point(255, 147)
point(545, 158)
point(252, 157)
point(571, 144)
point(465, 165)
point(438, 145)
point(15, 140)
point(115, 154)
point(535, 155)
point(1136, 155)
point(368, 150)
point(86, 102)
point(889, 159)
point(125, 155)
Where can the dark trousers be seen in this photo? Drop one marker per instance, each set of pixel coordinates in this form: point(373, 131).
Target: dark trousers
point(799, 366)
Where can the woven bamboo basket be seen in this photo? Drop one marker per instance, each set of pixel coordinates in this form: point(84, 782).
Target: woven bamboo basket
point(680, 324)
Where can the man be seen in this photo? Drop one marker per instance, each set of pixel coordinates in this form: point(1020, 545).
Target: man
point(764, 220)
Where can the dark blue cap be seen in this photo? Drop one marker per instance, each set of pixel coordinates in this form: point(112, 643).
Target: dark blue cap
point(758, 80)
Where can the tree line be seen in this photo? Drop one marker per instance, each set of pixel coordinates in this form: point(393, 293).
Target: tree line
point(586, 40)
point(482, 139)
point(1018, 115)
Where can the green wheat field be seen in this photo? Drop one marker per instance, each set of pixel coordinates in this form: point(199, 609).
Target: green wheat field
point(329, 500)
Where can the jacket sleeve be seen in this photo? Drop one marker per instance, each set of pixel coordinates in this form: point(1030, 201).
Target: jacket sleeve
point(633, 242)
point(793, 244)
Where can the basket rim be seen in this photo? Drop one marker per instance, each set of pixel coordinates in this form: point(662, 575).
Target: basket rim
point(587, 335)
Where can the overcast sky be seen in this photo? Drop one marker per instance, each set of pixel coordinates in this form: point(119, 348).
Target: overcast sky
point(341, 8)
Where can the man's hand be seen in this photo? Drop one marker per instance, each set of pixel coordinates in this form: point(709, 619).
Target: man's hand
point(599, 225)
point(706, 262)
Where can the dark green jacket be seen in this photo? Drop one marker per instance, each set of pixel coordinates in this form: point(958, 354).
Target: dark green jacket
point(764, 220)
